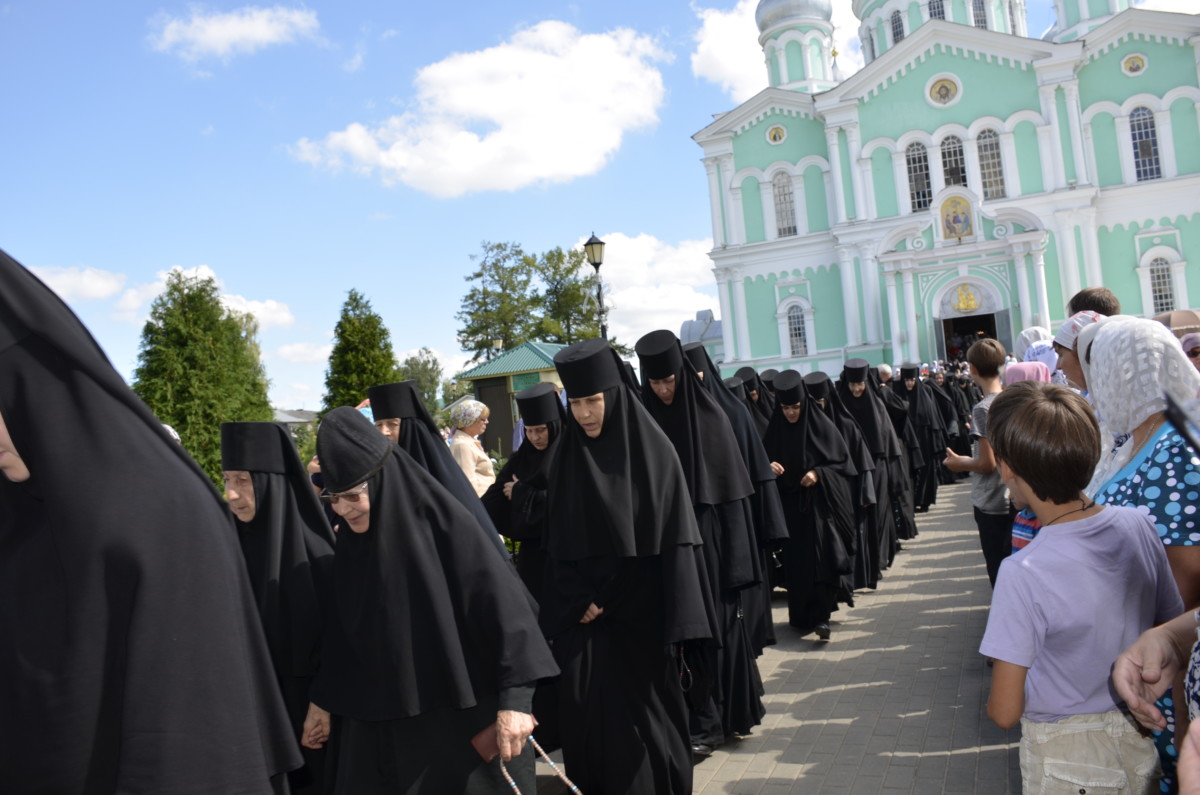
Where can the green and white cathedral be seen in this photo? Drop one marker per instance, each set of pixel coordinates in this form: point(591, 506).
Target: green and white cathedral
point(967, 178)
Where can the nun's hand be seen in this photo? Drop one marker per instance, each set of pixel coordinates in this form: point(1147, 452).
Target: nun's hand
point(508, 487)
point(591, 614)
point(316, 727)
point(809, 479)
point(512, 730)
point(777, 468)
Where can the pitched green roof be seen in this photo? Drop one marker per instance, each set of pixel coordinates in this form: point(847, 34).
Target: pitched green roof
point(529, 357)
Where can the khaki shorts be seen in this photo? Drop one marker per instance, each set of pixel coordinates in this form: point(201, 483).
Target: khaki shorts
point(1093, 754)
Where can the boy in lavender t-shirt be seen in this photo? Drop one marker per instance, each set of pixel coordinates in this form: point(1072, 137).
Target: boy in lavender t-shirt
point(1080, 593)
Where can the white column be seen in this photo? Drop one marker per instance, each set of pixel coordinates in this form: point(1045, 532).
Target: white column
point(1051, 161)
point(1039, 285)
point(1125, 150)
point(971, 161)
point(1166, 144)
point(800, 204)
point(1089, 153)
point(1027, 309)
point(937, 170)
point(889, 283)
point(712, 169)
point(835, 165)
point(1008, 161)
point(867, 179)
point(766, 193)
point(1091, 247)
point(727, 332)
point(900, 178)
point(1068, 253)
point(738, 233)
point(1048, 96)
point(1179, 284)
point(743, 325)
point(910, 300)
point(1071, 95)
point(856, 180)
point(869, 271)
point(850, 296)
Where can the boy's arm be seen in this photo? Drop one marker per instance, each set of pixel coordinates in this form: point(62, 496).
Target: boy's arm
point(1006, 703)
point(983, 463)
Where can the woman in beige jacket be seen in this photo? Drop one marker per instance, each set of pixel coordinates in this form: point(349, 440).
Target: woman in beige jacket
point(470, 418)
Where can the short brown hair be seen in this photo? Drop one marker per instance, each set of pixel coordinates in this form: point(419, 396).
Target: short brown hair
point(987, 355)
point(1048, 436)
point(1100, 300)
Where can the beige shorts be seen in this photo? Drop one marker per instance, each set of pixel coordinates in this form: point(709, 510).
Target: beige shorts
point(1094, 754)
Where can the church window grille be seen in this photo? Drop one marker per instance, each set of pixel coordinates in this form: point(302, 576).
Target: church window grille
point(917, 160)
point(797, 333)
point(897, 27)
point(1145, 144)
point(937, 9)
point(1162, 291)
point(991, 167)
point(954, 163)
point(980, 9)
point(785, 205)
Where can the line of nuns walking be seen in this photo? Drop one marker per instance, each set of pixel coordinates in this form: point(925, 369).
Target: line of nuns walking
point(150, 641)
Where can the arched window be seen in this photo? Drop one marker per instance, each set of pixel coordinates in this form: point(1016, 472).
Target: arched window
point(954, 164)
point(897, 27)
point(797, 332)
point(991, 167)
point(917, 161)
point(1162, 291)
point(785, 205)
point(937, 10)
point(1145, 144)
point(980, 9)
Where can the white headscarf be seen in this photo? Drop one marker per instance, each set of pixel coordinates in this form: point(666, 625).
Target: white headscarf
point(1133, 363)
point(1027, 338)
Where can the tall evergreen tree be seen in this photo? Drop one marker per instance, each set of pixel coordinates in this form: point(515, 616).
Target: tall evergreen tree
point(199, 366)
point(500, 306)
point(424, 368)
point(567, 298)
point(362, 355)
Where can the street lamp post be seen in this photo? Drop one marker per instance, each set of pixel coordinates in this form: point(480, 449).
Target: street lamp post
point(594, 249)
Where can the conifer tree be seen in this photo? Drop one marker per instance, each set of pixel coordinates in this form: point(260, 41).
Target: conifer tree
point(362, 355)
point(424, 368)
point(199, 366)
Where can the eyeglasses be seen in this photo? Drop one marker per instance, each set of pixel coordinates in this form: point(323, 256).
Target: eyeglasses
point(348, 496)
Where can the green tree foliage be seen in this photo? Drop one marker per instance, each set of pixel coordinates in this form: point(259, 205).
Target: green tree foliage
point(362, 355)
point(199, 366)
point(566, 300)
point(500, 306)
point(424, 368)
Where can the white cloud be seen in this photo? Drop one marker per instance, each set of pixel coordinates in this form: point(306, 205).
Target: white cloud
point(1178, 6)
point(389, 33)
point(209, 130)
point(355, 63)
point(81, 284)
point(132, 304)
point(549, 105)
point(304, 352)
point(651, 284)
point(269, 313)
point(728, 53)
point(224, 35)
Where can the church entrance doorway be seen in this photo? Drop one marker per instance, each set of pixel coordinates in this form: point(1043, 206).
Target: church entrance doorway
point(959, 332)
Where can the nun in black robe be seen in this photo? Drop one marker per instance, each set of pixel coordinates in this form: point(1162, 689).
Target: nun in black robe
point(815, 486)
point(288, 548)
point(420, 438)
point(950, 420)
point(871, 416)
point(131, 655)
point(624, 585)
point(757, 394)
point(741, 391)
point(925, 418)
point(720, 489)
point(862, 487)
point(770, 527)
point(911, 457)
point(431, 639)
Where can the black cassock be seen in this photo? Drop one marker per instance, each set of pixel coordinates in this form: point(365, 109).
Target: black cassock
point(622, 536)
point(820, 517)
point(131, 655)
point(925, 419)
point(429, 631)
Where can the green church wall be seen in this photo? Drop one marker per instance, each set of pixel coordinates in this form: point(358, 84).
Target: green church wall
point(900, 107)
point(804, 137)
point(960, 10)
point(1071, 12)
point(914, 17)
point(1189, 237)
point(1064, 134)
point(752, 211)
point(884, 178)
point(816, 202)
point(1118, 261)
point(826, 287)
point(795, 61)
point(1029, 159)
point(1186, 134)
point(1108, 156)
point(816, 61)
point(1168, 66)
point(760, 316)
point(1098, 8)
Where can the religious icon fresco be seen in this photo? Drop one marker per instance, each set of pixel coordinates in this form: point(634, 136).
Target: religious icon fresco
point(956, 218)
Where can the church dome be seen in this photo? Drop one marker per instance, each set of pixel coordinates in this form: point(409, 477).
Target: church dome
point(772, 12)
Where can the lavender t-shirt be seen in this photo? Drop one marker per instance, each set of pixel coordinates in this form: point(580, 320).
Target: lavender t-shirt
point(1073, 600)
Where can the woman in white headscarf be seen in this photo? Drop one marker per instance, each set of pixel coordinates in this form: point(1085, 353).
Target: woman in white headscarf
point(1130, 365)
point(470, 418)
point(1028, 337)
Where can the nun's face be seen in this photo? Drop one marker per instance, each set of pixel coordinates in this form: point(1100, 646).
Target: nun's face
point(354, 506)
point(389, 428)
point(538, 436)
point(939, 378)
point(664, 388)
point(10, 463)
point(857, 388)
point(589, 413)
point(239, 491)
point(910, 384)
point(792, 413)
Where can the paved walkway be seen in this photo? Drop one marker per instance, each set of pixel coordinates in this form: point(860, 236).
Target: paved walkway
point(896, 701)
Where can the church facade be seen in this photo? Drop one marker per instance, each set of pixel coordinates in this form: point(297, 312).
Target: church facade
point(968, 178)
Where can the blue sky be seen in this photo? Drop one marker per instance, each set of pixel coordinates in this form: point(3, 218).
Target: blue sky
point(296, 152)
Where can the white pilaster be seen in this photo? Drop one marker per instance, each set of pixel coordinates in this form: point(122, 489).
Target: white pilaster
point(712, 170)
point(1071, 95)
point(728, 338)
point(1008, 161)
point(1048, 151)
point(1027, 309)
point(869, 273)
point(900, 178)
point(1091, 247)
point(910, 300)
point(1039, 285)
point(835, 164)
point(850, 296)
point(937, 169)
point(1048, 96)
point(854, 144)
point(889, 283)
point(1125, 150)
point(743, 324)
point(1068, 252)
point(766, 192)
point(866, 177)
point(737, 234)
point(1166, 144)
